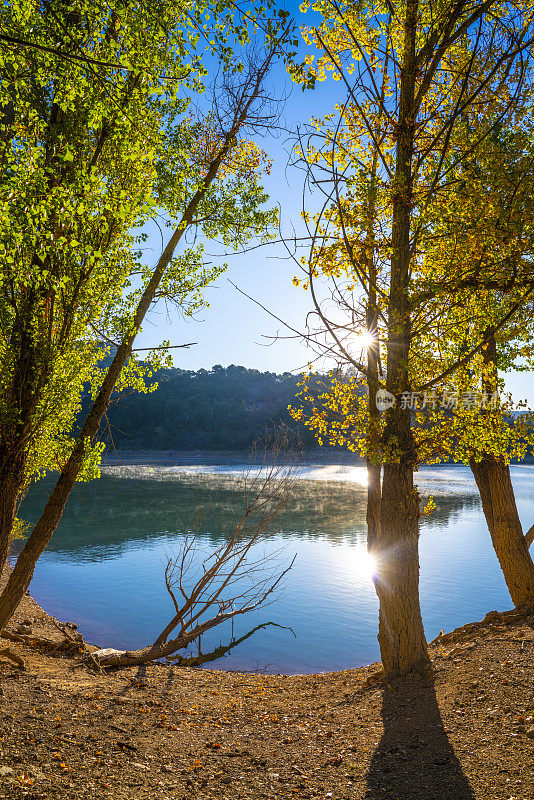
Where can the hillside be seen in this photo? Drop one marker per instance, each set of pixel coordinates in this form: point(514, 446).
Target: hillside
point(224, 408)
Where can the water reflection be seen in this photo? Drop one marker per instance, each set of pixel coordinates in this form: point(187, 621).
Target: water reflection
point(106, 516)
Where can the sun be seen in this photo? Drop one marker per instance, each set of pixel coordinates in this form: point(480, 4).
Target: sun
point(363, 340)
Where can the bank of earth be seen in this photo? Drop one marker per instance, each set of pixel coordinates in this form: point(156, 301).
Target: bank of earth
point(465, 734)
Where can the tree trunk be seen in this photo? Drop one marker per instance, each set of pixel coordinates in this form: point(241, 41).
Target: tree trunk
point(373, 460)
point(492, 477)
point(374, 473)
point(22, 573)
point(401, 634)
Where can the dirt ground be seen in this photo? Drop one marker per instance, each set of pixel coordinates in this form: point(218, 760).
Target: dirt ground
point(466, 733)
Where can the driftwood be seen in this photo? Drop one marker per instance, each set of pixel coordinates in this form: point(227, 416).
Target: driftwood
point(109, 657)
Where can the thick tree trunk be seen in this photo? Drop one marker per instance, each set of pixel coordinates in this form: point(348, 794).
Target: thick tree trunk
point(492, 477)
point(401, 634)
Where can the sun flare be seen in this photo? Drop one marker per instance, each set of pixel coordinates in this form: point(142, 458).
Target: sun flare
point(363, 340)
point(365, 563)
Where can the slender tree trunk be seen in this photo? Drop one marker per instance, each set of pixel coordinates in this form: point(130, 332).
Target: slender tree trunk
point(374, 468)
point(401, 634)
point(373, 460)
point(22, 573)
point(492, 476)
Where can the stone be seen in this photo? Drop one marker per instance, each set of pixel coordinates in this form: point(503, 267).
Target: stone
point(530, 732)
point(5, 771)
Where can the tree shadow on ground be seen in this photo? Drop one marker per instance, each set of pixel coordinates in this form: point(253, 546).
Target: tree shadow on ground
point(414, 759)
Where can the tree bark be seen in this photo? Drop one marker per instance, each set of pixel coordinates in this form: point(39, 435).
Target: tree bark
point(492, 477)
point(401, 634)
point(374, 474)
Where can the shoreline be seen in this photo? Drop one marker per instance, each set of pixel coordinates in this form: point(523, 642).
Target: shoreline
point(173, 733)
point(120, 457)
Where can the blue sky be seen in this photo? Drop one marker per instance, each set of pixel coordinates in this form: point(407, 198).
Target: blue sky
point(234, 330)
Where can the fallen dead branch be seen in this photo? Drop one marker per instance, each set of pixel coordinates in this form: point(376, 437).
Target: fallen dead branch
point(234, 578)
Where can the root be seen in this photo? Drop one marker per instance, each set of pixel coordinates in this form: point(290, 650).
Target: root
point(492, 622)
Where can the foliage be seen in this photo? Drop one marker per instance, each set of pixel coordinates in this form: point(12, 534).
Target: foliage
point(99, 133)
point(470, 232)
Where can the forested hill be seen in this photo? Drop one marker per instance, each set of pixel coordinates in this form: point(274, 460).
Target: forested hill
point(221, 408)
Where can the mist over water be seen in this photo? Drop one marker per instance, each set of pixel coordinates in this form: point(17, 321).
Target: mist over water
point(104, 565)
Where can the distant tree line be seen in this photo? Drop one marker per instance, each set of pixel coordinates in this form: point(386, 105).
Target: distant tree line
point(222, 408)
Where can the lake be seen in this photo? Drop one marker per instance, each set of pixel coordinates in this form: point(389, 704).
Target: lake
point(104, 566)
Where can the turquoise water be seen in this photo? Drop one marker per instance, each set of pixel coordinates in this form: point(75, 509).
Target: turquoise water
point(104, 566)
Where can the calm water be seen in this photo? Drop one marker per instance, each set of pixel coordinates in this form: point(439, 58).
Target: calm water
point(104, 566)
